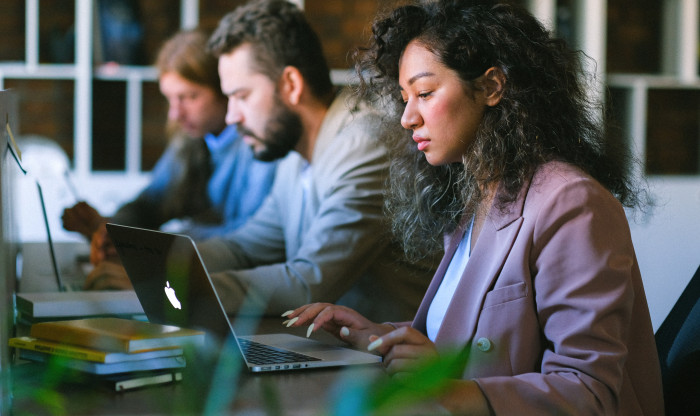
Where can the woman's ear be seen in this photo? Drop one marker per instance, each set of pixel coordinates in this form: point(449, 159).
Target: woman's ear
point(291, 85)
point(494, 85)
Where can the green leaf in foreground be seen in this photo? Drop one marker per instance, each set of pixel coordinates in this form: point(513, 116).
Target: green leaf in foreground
point(427, 381)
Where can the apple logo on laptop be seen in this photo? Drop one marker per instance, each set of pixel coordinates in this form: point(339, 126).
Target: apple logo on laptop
point(170, 293)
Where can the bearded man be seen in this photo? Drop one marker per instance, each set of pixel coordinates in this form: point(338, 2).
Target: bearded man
point(321, 234)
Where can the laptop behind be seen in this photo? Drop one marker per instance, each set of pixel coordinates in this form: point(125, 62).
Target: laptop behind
point(174, 288)
point(43, 265)
point(52, 251)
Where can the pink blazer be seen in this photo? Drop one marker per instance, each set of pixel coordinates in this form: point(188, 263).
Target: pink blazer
point(552, 306)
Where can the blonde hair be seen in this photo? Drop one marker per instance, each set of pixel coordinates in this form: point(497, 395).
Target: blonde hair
point(185, 53)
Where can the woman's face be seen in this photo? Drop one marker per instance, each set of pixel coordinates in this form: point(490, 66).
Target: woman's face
point(196, 108)
point(443, 115)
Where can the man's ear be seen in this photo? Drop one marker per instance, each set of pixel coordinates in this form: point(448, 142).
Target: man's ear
point(494, 85)
point(291, 85)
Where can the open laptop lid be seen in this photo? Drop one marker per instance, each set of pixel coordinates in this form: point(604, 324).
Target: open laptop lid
point(174, 288)
point(170, 280)
point(52, 251)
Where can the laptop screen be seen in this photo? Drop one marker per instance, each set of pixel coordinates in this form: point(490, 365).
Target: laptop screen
point(52, 250)
point(170, 280)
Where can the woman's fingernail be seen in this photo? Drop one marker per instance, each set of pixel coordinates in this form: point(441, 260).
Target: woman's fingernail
point(344, 331)
point(291, 321)
point(374, 345)
point(287, 313)
point(285, 322)
point(310, 330)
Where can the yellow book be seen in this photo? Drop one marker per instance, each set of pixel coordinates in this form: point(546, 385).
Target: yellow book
point(88, 354)
point(116, 334)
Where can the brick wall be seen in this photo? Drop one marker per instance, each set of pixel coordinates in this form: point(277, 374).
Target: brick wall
point(11, 30)
point(634, 36)
point(46, 107)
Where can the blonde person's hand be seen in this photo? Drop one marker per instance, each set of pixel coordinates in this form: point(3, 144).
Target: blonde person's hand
point(82, 218)
point(402, 348)
point(101, 247)
point(108, 276)
point(344, 323)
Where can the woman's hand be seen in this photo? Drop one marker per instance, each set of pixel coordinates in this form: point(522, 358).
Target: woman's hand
point(344, 323)
point(402, 348)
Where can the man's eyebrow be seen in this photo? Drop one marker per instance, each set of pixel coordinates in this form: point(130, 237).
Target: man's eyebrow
point(233, 92)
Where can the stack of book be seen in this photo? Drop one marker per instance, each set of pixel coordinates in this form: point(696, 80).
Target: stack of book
point(37, 307)
point(126, 353)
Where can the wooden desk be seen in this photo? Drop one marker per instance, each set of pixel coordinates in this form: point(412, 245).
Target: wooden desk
point(307, 392)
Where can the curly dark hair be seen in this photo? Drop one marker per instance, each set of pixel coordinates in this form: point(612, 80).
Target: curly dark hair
point(546, 113)
point(281, 36)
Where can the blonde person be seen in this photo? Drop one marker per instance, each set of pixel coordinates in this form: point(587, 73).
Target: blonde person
point(507, 156)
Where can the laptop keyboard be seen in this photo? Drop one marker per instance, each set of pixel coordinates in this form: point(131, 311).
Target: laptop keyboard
point(256, 353)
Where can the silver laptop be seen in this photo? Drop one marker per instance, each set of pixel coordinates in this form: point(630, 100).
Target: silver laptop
point(174, 288)
point(34, 272)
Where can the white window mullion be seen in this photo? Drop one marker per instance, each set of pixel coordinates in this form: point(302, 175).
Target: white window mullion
point(83, 86)
point(545, 11)
point(591, 24)
point(637, 128)
point(690, 40)
point(31, 41)
point(679, 41)
point(189, 14)
point(134, 98)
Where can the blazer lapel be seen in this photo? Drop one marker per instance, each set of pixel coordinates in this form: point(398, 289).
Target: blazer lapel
point(485, 264)
point(419, 320)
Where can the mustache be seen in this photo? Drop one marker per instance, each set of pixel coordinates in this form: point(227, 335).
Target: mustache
point(244, 131)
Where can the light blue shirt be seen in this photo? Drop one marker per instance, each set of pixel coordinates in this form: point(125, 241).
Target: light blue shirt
point(236, 188)
point(239, 182)
point(443, 297)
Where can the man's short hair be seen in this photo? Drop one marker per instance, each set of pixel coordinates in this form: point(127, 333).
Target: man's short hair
point(280, 36)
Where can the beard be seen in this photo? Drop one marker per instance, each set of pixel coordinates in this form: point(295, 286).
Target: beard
point(282, 133)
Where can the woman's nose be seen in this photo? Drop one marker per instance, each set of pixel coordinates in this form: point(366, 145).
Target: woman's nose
point(410, 119)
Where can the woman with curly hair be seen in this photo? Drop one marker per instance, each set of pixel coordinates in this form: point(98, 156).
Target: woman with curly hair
point(509, 159)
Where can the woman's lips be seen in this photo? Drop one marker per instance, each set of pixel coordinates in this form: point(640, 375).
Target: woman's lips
point(422, 142)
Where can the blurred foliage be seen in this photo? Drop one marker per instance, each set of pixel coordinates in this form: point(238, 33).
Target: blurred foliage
point(395, 395)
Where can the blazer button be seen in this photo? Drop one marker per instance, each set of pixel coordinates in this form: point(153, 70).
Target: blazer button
point(483, 344)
